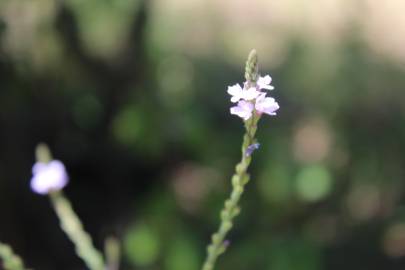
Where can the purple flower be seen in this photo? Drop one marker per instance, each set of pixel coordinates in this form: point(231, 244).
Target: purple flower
point(48, 177)
point(266, 105)
point(243, 110)
point(264, 83)
point(251, 148)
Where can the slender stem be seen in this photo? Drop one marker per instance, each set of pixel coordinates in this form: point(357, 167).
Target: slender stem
point(231, 207)
point(10, 260)
point(73, 227)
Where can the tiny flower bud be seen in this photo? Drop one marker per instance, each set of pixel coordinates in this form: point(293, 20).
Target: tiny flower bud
point(252, 148)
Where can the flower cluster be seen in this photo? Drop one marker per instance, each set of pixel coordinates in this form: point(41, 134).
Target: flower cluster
point(48, 177)
point(252, 99)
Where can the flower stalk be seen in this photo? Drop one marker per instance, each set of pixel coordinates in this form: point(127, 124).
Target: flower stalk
point(231, 207)
point(241, 177)
point(72, 226)
point(10, 260)
point(49, 179)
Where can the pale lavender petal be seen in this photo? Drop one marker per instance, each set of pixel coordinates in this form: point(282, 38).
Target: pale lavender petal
point(236, 92)
point(264, 80)
point(243, 109)
point(38, 167)
point(267, 87)
point(266, 105)
point(235, 99)
point(250, 93)
point(264, 83)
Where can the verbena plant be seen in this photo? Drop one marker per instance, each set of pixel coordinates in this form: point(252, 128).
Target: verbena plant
point(252, 103)
point(50, 177)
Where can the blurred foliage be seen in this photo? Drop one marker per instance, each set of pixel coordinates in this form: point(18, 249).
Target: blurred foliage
point(130, 94)
point(142, 245)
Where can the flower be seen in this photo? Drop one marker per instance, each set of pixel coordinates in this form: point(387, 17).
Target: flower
point(251, 148)
point(238, 93)
point(243, 110)
point(264, 83)
point(266, 105)
point(48, 177)
point(251, 100)
point(251, 93)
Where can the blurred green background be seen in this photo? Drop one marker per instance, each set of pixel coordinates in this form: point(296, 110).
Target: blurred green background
point(131, 95)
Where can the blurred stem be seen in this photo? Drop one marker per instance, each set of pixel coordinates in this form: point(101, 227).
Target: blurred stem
point(113, 253)
point(231, 207)
point(10, 260)
point(239, 179)
point(73, 227)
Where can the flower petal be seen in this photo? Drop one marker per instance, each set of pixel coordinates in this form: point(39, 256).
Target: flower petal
point(250, 93)
point(244, 109)
point(236, 92)
point(264, 83)
point(266, 105)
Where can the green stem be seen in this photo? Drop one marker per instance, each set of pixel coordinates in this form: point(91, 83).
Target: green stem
point(231, 207)
point(10, 260)
point(73, 227)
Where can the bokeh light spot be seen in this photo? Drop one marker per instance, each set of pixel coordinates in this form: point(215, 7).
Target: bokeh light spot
point(275, 185)
point(175, 77)
point(127, 126)
point(87, 111)
point(312, 141)
point(141, 245)
point(313, 183)
point(363, 201)
point(182, 254)
point(394, 240)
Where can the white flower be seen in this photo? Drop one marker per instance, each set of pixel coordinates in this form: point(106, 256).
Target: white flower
point(266, 105)
point(48, 177)
point(252, 99)
point(264, 83)
point(250, 93)
point(243, 110)
point(238, 93)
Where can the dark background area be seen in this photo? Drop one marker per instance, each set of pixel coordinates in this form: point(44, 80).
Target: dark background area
point(131, 96)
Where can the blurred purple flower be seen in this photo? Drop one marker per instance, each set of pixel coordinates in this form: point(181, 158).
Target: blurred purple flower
point(48, 177)
point(226, 243)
